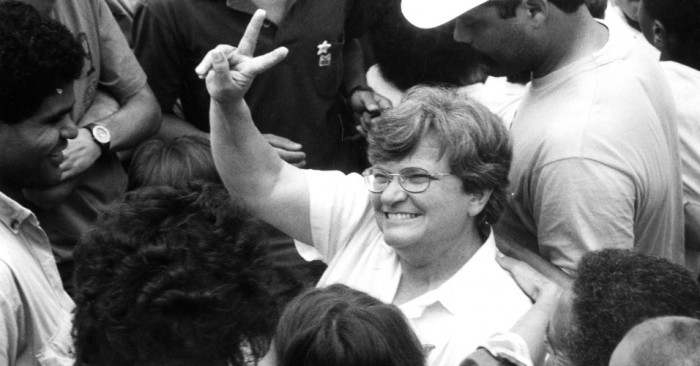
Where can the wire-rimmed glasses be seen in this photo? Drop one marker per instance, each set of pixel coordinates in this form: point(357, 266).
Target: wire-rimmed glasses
point(412, 180)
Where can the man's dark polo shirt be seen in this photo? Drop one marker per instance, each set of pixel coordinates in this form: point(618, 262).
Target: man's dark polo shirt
point(297, 99)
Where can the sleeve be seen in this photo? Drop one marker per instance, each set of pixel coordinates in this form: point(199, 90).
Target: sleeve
point(120, 72)
point(155, 46)
point(340, 210)
point(581, 205)
point(11, 315)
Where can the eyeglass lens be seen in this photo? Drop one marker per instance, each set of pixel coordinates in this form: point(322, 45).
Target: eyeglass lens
point(413, 180)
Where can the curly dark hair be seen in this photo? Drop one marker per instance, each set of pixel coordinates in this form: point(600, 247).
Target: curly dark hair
point(37, 56)
point(176, 276)
point(618, 289)
point(409, 56)
point(475, 140)
point(340, 326)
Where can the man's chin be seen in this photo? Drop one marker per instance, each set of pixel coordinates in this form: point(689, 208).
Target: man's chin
point(42, 182)
point(498, 69)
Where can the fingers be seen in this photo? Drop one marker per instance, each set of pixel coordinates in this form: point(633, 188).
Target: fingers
point(262, 63)
point(281, 142)
point(292, 157)
point(250, 37)
point(367, 121)
point(384, 103)
point(206, 64)
point(287, 149)
point(220, 67)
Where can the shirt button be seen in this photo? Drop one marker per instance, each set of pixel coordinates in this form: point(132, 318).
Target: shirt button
point(14, 224)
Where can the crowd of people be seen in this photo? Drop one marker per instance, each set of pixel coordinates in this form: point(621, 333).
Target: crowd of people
point(348, 182)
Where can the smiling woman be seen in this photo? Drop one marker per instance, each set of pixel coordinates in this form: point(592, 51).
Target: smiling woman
point(414, 231)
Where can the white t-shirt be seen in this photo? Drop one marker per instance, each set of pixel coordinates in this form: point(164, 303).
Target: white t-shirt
point(452, 320)
point(685, 84)
point(595, 159)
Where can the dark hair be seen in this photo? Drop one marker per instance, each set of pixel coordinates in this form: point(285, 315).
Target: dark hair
point(474, 139)
point(175, 162)
point(617, 289)
point(408, 56)
point(174, 276)
point(37, 56)
point(668, 341)
point(339, 326)
point(597, 8)
point(506, 8)
point(681, 18)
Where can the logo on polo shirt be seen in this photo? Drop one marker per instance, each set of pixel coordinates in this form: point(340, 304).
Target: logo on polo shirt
point(324, 58)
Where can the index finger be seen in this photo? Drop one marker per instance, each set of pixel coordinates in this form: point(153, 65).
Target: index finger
point(384, 103)
point(250, 37)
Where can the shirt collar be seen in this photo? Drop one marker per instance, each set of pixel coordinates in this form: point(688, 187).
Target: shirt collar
point(459, 292)
point(12, 214)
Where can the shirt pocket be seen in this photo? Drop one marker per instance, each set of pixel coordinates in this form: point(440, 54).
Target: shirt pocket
point(328, 68)
point(58, 351)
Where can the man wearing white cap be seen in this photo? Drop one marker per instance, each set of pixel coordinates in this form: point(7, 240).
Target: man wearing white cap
point(595, 158)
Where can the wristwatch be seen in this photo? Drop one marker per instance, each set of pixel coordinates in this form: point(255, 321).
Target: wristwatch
point(100, 134)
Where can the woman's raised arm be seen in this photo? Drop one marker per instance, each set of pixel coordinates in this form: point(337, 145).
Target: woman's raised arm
point(249, 167)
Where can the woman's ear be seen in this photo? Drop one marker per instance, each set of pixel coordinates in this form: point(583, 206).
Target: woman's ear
point(478, 201)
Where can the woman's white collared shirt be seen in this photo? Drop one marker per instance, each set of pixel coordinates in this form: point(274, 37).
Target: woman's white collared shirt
point(478, 301)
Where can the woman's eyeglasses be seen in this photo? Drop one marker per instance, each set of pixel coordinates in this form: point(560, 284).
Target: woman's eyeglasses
point(412, 180)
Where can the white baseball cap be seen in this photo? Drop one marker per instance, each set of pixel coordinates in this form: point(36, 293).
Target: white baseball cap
point(432, 13)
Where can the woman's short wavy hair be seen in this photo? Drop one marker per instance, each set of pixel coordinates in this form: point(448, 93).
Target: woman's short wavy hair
point(175, 276)
point(475, 140)
point(340, 326)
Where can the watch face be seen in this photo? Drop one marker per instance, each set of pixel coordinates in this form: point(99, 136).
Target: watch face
point(101, 134)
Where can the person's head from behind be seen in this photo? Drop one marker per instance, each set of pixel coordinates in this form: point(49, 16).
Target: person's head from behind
point(432, 132)
point(673, 26)
point(615, 290)
point(668, 341)
point(597, 8)
point(512, 34)
point(39, 61)
point(174, 276)
point(339, 326)
point(175, 162)
point(424, 56)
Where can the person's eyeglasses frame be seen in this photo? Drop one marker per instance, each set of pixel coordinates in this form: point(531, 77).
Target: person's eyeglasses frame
point(403, 178)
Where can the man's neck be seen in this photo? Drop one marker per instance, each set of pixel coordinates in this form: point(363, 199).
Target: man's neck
point(687, 56)
point(13, 192)
point(572, 37)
